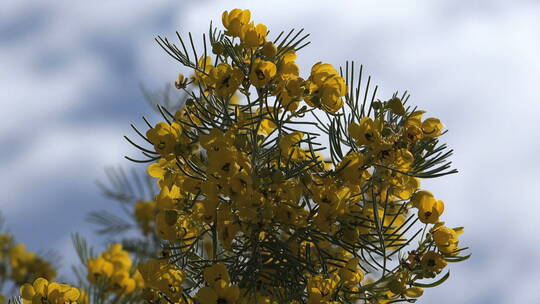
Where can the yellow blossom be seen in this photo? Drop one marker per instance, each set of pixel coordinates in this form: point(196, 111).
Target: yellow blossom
point(235, 20)
point(432, 127)
point(254, 36)
point(326, 88)
point(262, 72)
point(226, 79)
point(365, 133)
point(269, 49)
point(45, 292)
point(164, 137)
point(432, 261)
point(446, 239)
point(429, 209)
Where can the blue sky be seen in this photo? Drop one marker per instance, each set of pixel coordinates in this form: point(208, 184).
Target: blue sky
point(69, 90)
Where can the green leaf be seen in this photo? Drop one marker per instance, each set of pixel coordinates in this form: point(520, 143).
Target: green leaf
point(457, 259)
point(436, 283)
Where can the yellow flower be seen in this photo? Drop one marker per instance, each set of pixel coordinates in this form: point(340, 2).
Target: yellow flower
point(168, 197)
point(413, 133)
point(446, 239)
point(215, 273)
point(432, 261)
point(326, 88)
point(221, 294)
point(235, 21)
point(164, 137)
point(351, 168)
point(288, 140)
point(45, 292)
point(83, 298)
point(99, 269)
point(429, 209)
point(205, 210)
point(262, 72)
point(432, 127)
point(122, 283)
point(291, 216)
point(396, 106)
point(406, 187)
point(226, 79)
point(291, 90)
point(167, 224)
point(269, 49)
point(365, 133)
point(162, 276)
point(254, 36)
point(287, 65)
point(351, 274)
point(414, 292)
point(320, 289)
point(118, 257)
point(27, 265)
point(218, 290)
point(267, 125)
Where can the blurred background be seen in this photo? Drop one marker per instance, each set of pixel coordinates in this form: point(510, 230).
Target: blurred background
point(69, 88)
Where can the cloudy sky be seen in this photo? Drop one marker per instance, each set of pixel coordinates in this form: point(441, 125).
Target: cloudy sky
point(69, 88)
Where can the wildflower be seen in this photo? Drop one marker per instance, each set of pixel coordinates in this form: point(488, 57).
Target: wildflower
point(242, 181)
point(429, 209)
point(113, 268)
point(351, 168)
point(432, 127)
point(289, 145)
point(446, 239)
point(287, 67)
point(26, 264)
point(164, 137)
point(215, 273)
point(396, 106)
point(254, 36)
point(226, 79)
point(351, 274)
point(262, 72)
point(99, 268)
point(365, 133)
point(269, 49)
point(234, 21)
point(326, 88)
point(122, 283)
point(291, 91)
point(320, 289)
point(45, 292)
point(219, 289)
point(163, 277)
point(398, 286)
point(432, 261)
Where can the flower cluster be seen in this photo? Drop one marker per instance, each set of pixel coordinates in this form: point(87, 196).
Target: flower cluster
point(254, 210)
point(162, 280)
point(45, 292)
point(114, 269)
point(18, 265)
point(252, 207)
